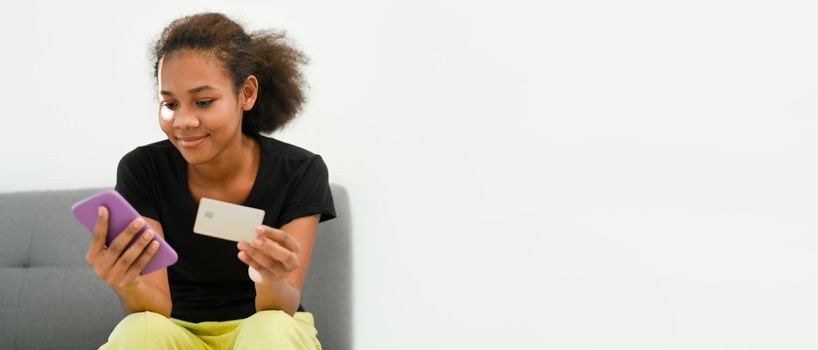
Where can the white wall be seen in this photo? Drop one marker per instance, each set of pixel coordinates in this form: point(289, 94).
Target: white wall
point(568, 175)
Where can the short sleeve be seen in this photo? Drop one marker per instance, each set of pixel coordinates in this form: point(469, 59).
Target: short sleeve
point(133, 183)
point(310, 193)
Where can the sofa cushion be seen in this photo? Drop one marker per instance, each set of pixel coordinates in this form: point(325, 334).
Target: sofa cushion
point(69, 304)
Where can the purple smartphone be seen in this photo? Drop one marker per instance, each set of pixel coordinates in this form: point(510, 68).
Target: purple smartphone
point(120, 215)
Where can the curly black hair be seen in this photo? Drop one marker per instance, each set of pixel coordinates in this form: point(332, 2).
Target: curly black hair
point(265, 54)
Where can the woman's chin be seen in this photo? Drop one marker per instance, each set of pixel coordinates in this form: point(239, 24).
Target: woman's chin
point(193, 157)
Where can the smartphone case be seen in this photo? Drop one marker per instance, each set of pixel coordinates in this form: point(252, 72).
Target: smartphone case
point(120, 215)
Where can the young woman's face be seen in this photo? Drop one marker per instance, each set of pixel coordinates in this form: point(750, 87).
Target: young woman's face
point(199, 109)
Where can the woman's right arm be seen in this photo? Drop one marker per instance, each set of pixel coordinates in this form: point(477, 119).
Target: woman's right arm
point(120, 267)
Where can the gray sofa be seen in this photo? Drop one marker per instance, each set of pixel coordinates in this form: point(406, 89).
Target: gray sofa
point(51, 299)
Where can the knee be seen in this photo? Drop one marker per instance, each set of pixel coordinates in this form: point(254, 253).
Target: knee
point(274, 329)
point(267, 321)
point(134, 330)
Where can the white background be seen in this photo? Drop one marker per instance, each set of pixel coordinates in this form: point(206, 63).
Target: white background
point(545, 175)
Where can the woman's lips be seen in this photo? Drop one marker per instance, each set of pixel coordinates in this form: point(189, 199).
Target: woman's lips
point(190, 142)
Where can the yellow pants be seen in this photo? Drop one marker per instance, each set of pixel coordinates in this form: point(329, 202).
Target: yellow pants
point(264, 330)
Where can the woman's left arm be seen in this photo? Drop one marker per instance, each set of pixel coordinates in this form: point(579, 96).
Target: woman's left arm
point(281, 257)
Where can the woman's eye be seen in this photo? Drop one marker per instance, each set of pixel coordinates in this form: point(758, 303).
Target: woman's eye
point(203, 103)
point(169, 105)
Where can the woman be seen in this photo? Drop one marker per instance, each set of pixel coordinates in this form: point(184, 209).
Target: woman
point(219, 88)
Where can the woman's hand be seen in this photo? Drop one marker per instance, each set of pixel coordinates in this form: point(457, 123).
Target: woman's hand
point(116, 265)
point(274, 254)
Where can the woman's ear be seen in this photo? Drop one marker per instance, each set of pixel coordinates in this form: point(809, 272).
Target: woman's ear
point(248, 93)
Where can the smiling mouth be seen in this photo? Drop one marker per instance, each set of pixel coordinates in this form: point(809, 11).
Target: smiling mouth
point(190, 142)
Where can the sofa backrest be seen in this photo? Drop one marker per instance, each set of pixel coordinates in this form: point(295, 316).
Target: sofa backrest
point(50, 298)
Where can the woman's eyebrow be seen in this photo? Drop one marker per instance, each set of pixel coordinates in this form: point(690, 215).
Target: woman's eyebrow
point(191, 91)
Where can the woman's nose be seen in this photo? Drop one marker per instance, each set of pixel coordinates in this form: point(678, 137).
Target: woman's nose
point(185, 120)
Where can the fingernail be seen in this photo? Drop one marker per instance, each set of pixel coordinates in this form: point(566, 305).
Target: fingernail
point(257, 241)
point(147, 235)
point(99, 210)
point(260, 229)
point(138, 223)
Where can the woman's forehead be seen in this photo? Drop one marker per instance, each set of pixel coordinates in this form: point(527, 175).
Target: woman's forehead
point(184, 70)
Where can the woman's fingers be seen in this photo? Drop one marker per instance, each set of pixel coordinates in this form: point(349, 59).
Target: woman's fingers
point(267, 274)
point(282, 255)
point(265, 262)
point(272, 255)
point(119, 264)
point(97, 244)
point(105, 263)
point(133, 271)
point(278, 236)
point(132, 255)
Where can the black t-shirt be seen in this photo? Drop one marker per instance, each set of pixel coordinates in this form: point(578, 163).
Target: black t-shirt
point(209, 282)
